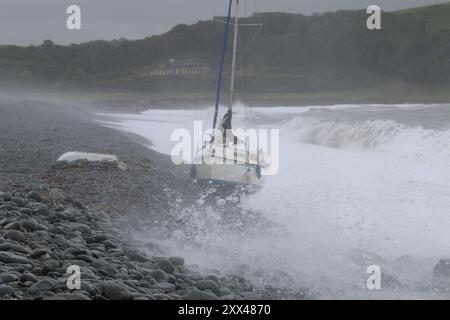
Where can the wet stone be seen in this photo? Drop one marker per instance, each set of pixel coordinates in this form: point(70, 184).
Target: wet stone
point(8, 277)
point(37, 253)
point(207, 285)
point(116, 292)
point(166, 265)
point(7, 257)
point(15, 235)
point(5, 196)
point(177, 261)
point(6, 290)
point(199, 295)
point(159, 275)
point(35, 196)
point(42, 285)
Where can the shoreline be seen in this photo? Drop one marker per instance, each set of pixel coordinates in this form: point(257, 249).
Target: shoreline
point(34, 135)
point(141, 101)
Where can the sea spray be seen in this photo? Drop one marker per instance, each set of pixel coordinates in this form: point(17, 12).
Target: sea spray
point(353, 191)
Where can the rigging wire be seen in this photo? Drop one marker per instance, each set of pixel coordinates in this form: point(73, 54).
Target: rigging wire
point(243, 55)
point(244, 83)
point(216, 8)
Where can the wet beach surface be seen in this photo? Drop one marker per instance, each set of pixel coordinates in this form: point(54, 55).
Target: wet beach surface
point(85, 214)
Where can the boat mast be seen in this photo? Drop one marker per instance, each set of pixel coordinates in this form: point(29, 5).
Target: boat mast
point(233, 66)
point(222, 64)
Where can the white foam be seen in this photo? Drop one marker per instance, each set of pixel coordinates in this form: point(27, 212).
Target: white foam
point(375, 185)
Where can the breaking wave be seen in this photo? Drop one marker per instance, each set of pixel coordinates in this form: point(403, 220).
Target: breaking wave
point(349, 194)
point(384, 136)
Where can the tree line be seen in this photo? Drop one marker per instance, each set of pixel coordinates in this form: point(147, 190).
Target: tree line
point(291, 52)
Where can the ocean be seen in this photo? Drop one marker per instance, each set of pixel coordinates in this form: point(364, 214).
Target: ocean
point(358, 185)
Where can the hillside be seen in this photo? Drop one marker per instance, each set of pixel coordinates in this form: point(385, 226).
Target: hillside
point(436, 17)
point(291, 53)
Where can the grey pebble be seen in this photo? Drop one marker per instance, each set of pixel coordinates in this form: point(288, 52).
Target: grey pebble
point(116, 292)
point(34, 195)
point(199, 295)
point(15, 235)
point(42, 285)
point(177, 261)
point(166, 265)
point(5, 196)
point(207, 285)
point(6, 290)
point(16, 225)
point(7, 257)
point(8, 277)
point(159, 275)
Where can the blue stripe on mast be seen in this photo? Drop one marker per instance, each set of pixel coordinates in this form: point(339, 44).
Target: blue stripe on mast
point(222, 64)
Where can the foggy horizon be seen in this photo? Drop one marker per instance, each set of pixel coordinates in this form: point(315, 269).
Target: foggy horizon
point(24, 23)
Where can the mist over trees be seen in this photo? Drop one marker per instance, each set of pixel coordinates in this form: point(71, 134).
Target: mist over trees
point(291, 52)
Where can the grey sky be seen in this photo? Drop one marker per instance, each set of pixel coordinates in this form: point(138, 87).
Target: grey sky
point(32, 21)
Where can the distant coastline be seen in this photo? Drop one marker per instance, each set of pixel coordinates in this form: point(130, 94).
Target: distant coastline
point(140, 101)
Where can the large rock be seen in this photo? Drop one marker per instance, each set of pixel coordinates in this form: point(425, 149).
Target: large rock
point(15, 235)
point(34, 195)
point(19, 201)
point(8, 277)
point(7, 257)
point(75, 296)
point(83, 228)
point(107, 271)
point(137, 256)
point(390, 281)
point(51, 264)
point(42, 285)
point(18, 248)
point(165, 286)
point(6, 290)
point(5, 246)
point(30, 224)
point(109, 244)
point(5, 196)
point(159, 275)
point(224, 291)
point(27, 276)
point(208, 285)
point(16, 225)
point(177, 261)
point(442, 270)
point(213, 278)
point(116, 292)
point(166, 265)
point(199, 295)
point(56, 195)
point(43, 212)
point(37, 253)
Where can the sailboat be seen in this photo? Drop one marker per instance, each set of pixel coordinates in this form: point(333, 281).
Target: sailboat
point(227, 158)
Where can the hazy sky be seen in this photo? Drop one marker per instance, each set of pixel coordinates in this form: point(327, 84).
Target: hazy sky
point(32, 21)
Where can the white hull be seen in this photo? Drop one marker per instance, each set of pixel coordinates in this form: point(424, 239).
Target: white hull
point(228, 173)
